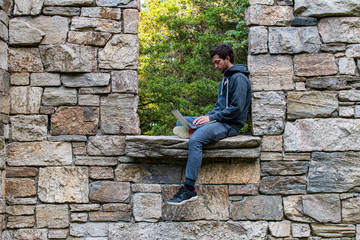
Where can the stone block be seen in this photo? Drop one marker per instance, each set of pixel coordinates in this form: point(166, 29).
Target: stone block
point(96, 24)
point(4, 61)
point(121, 52)
point(280, 229)
point(212, 204)
point(347, 66)
point(293, 209)
point(258, 40)
point(58, 233)
point(357, 111)
point(322, 135)
point(67, 138)
point(4, 17)
point(20, 187)
point(148, 188)
point(68, 2)
point(101, 12)
point(347, 111)
point(39, 234)
point(104, 192)
point(86, 80)
point(349, 96)
point(353, 51)
point(89, 38)
point(351, 210)
point(96, 161)
point(248, 189)
point(323, 208)
point(304, 21)
point(19, 210)
point(62, 11)
point(20, 79)
point(284, 168)
point(63, 185)
point(52, 216)
point(4, 81)
point(311, 104)
point(79, 217)
point(84, 207)
point(131, 21)
point(89, 100)
point(110, 216)
point(112, 3)
point(20, 222)
point(29, 128)
point(95, 90)
point(284, 185)
point(4, 32)
point(297, 157)
point(68, 58)
point(106, 145)
point(258, 208)
point(59, 96)
point(124, 81)
point(147, 207)
point(348, 33)
point(27, 7)
point(75, 121)
point(118, 114)
point(332, 230)
point(334, 172)
point(271, 72)
point(118, 207)
point(21, 172)
point(261, 2)
point(89, 229)
point(268, 15)
point(23, 34)
point(25, 60)
point(22, 201)
point(322, 64)
point(300, 230)
point(327, 8)
point(45, 79)
point(332, 82)
point(25, 100)
point(268, 113)
point(285, 2)
point(293, 40)
point(272, 143)
point(101, 173)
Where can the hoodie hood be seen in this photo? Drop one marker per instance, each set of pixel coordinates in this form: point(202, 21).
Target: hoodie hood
point(237, 68)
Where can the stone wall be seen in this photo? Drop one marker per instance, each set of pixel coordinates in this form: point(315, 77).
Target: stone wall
point(73, 170)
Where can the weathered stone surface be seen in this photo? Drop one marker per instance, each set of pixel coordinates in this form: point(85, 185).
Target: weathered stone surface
point(353, 51)
point(84, 207)
point(118, 114)
point(347, 66)
point(285, 2)
point(271, 143)
point(321, 64)
point(86, 80)
point(322, 135)
point(323, 208)
point(59, 96)
point(147, 207)
point(280, 229)
point(261, 2)
point(348, 33)
point(212, 204)
point(20, 187)
point(39, 154)
point(27, 7)
point(88, 100)
point(101, 12)
point(112, 3)
point(67, 138)
point(39, 234)
point(45, 79)
point(124, 81)
point(52, 216)
point(68, 2)
point(311, 104)
point(349, 96)
point(189, 230)
point(101, 173)
point(131, 21)
point(110, 216)
point(89, 229)
point(325, 8)
point(268, 113)
point(258, 40)
point(347, 111)
point(304, 21)
point(22, 201)
point(106, 145)
point(293, 209)
point(271, 72)
point(300, 230)
point(332, 230)
point(89, 38)
point(271, 156)
point(75, 121)
point(95, 24)
point(284, 168)
point(22, 33)
point(4, 33)
point(357, 111)
point(268, 15)
point(95, 90)
point(62, 11)
point(283, 185)
point(148, 173)
point(4, 17)
point(96, 161)
point(29, 128)
point(121, 52)
point(258, 208)
point(24, 60)
point(63, 185)
point(118, 207)
point(332, 82)
point(20, 172)
point(20, 79)
point(149, 188)
point(333, 47)
point(58, 233)
point(4, 55)
point(79, 217)
point(248, 189)
point(25, 100)
point(68, 58)
point(292, 40)
point(104, 192)
point(20, 222)
point(351, 210)
point(334, 172)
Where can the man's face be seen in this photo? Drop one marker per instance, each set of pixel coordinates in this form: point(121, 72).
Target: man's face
point(221, 64)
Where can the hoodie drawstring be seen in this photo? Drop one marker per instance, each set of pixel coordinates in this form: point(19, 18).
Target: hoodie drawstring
point(225, 81)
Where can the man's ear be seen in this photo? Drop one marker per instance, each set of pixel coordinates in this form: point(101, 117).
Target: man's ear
point(228, 58)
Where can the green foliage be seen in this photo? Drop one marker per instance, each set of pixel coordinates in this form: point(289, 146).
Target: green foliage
point(175, 70)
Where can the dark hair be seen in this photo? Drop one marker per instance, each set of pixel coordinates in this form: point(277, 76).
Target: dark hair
point(223, 50)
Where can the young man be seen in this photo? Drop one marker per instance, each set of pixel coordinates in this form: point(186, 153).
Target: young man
point(229, 113)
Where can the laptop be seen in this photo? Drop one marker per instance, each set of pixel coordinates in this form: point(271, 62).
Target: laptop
point(185, 123)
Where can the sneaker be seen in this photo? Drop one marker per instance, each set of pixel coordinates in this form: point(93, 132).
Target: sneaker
point(181, 132)
point(183, 196)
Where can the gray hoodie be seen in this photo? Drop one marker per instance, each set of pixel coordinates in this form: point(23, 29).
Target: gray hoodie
point(234, 97)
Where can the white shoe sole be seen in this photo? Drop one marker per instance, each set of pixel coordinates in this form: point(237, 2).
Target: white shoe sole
point(181, 132)
point(183, 202)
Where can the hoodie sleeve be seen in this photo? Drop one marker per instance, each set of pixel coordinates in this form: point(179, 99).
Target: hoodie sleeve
point(237, 99)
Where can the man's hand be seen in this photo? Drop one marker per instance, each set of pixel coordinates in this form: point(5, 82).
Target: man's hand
point(201, 120)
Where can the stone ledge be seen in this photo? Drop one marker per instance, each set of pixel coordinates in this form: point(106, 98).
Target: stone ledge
point(243, 147)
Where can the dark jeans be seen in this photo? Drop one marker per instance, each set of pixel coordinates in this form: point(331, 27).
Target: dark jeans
point(204, 135)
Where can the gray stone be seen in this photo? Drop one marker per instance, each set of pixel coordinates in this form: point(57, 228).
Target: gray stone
point(333, 47)
point(45, 79)
point(271, 72)
point(110, 216)
point(332, 230)
point(304, 21)
point(357, 111)
point(52, 216)
point(27, 7)
point(324, 8)
point(89, 100)
point(124, 81)
point(353, 51)
point(349, 96)
point(95, 24)
point(334, 172)
point(285, 2)
point(280, 229)
point(348, 33)
point(39, 234)
point(58, 233)
point(258, 208)
point(103, 191)
point(331, 82)
point(20, 210)
point(131, 21)
point(248, 189)
point(68, 58)
point(86, 80)
point(284, 185)
point(101, 12)
point(68, 2)
point(121, 52)
point(59, 96)
point(67, 138)
point(22, 33)
point(284, 168)
point(20, 79)
point(4, 33)
point(22, 201)
point(271, 156)
point(268, 113)
point(25, 100)
point(84, 207)
point(351, 210)
point(212, 205)
point(4, 17)
point(271, 144)
point(20, 222)
point(95, 90)
point(347, 66)
point(89, 38)
point(189, 230)
point(347, 111)
point(322, 64)
point(29, 128)
point(3, 55)
point(261, 2)
point(118, 114)
point(62, 11)
point(322, 135)
point(79, 217)
point(311, 104)
point(106, 145)
point(101, 173)
point(323, 208)
point(112, 3)
point(292, 40)
point(96, 161)
point(147, 188)
point(63, 185)
point(293, 209)
point(25, 60)
point(268, 15)
point(300, 230)
point(147, 207)
point(258, 40)
point(89, 229)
